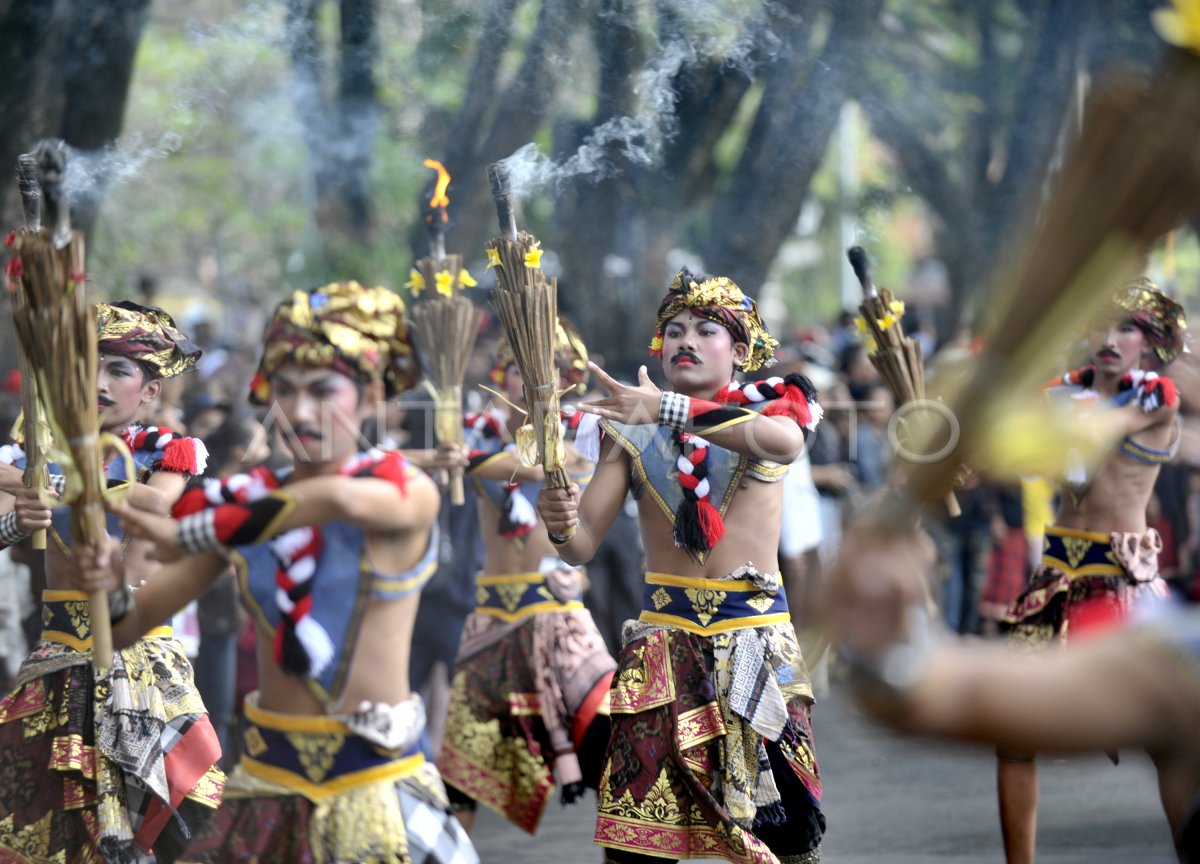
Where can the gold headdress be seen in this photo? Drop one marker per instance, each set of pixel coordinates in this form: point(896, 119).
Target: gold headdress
point(356, 331)
point(1159, 317)
point(721, 301)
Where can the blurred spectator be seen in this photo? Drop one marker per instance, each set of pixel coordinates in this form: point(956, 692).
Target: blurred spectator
point(870, 456)
point(206, 409)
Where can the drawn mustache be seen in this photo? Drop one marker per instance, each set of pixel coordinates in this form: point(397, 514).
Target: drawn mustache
point(306, 432)
point(684, 353)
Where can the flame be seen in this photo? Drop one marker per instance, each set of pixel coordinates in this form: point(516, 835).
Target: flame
point(439, 199)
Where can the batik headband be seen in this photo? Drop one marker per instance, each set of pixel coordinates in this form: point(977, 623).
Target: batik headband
point(146, 334)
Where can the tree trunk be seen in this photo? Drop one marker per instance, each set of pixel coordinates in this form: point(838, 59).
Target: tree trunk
point(791, 131)
point(340, 137)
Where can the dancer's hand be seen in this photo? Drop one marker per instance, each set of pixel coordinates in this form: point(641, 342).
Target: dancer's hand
point(879, 575)
point(450, 455)
point(162, 531)
point(97, 568)
point(12, 478)
point(559, 509)
point(32, 514)
point(625, 403)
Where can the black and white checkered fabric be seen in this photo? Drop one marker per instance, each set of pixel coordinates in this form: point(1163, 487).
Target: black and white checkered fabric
point(434, 835)
point(10, 534)
point(673, 410)
point(197, 532)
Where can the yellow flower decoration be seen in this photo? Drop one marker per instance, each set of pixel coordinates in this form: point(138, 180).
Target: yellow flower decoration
point(416, 282)
point(493, 259)
point(467, 280)
point(533, 258)
point(656, 343)
point(886, 321)
point(445, 283)
point(897, 307)
point(861, 324)
point(1180, 26)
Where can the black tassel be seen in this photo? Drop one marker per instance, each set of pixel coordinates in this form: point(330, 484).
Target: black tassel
point(795, 379)
point(772, 814)
point(294, 658)
point(689, 534)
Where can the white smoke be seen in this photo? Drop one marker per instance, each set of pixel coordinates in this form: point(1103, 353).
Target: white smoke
point(731, 32)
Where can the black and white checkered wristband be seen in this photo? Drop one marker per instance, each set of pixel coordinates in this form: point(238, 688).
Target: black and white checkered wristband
point(197, 532)
point(120, 604)
point(58, 482)
point(10, 534)
point(673, 410)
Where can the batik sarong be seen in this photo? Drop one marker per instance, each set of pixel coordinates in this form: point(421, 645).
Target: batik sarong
point(103, 771)
point(309, 791)
point(711, 753)
point(1087, 580)
point(531, 678)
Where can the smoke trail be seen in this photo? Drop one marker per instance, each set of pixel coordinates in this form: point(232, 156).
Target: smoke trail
point(731, 32)
point(252, 31)
point(88, 171)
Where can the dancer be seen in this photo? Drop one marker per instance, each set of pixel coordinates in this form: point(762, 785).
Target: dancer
point(141, 773)
point(331, 558)
point(529, 695)
point(711, 752)
point(1099, 557)
point(914, 677)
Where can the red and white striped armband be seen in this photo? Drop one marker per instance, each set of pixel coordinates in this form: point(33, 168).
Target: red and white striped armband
point(233, 524)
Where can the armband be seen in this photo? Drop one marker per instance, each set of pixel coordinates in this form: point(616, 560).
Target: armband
point(120, 604)
point(233, 524)
point(673, 410)
point(10, 533)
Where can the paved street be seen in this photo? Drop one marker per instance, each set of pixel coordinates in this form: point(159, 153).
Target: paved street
point(902, 801)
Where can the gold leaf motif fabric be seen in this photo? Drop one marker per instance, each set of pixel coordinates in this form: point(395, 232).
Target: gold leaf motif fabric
point(356, 331)
point(146, 334)
point(705, 602)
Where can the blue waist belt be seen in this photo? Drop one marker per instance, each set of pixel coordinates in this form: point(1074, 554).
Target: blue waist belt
point(1080, 553)
point(708, 606)
point(316, 756)
point(67, 620)
point(514, 596)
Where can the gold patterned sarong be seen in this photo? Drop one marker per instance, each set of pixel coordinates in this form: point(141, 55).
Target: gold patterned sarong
point(103, 768)
point(711, 754)
point(1087, 580)
point(530, 682)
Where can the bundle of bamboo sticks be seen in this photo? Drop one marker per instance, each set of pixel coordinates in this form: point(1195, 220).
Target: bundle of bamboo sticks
point(895, 356)
point(56, 326)
point(526, 304)
point(34, 439)
point(445, 325)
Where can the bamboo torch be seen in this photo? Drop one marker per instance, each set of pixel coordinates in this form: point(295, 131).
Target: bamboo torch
point(526, 303)
point(32, 425)
point(444, 323)
point(56, 326)
point(896, 357)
